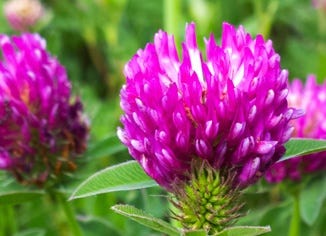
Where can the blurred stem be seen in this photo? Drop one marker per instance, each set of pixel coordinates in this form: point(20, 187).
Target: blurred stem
point(144, 195)
point(8, 222)
point(265, 17)
point(321, 45)
point(275, 193)
point(2, 223)
point(294, 229)
point(172, 11)
point(97, 57)
point(70, 214)
point(321, 22)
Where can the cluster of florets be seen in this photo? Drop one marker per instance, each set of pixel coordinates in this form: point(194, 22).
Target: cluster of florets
point(229, 109)
point(42, 129)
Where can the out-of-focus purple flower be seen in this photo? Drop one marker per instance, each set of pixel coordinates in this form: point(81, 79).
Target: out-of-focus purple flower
point(229, 109)
point(319, 4)
point(42, 129)
point(310, 97)
point(23, 14)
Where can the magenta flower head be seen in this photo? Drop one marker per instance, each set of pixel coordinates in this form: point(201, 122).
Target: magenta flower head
point(228, 111)
point(42, 129)
point(310, 97)
point(23, 14)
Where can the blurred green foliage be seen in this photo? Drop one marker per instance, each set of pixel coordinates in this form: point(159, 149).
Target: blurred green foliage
point(93, 39)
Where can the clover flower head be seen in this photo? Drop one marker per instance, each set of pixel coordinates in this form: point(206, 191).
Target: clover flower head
point(228, 109)
point(311, 97)
point(42, 129)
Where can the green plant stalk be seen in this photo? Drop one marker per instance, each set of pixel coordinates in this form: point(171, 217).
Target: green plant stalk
point(172, 11)
point(7, 223)
point(321, 22)
point(11, 219)
point(2, 223)
point(265, 16)
point(145, 200)
point(70, 214)
point(294, 229)
point(321, 45)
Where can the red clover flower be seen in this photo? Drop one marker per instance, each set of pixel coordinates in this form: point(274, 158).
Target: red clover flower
point(205, 128)
point(230, 110)
point(42, 129)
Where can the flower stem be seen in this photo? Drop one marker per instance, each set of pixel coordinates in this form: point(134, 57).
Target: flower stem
point(8, 223)
point(172, 15)
point(70, 214)
point(265, 15)
point(294, 229)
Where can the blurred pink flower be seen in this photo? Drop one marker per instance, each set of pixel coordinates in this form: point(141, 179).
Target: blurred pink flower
point(319, 4)
point(311, 97)
point(23, 14)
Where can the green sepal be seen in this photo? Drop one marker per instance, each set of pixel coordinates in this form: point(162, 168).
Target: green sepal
point(207, 201)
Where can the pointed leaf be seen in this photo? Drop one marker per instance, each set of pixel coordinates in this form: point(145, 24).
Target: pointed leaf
point(244, 231)
point(299, 147)
point(126, 176)
point(145, 219)
point(311, 200)
point(17, 197)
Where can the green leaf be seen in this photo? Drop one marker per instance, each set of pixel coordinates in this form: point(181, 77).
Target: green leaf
point(299, 147)
point(145, 219)
point(311, 200)
point(126, 176)
point(244, 231)
point(106, 147)
point(95, 225)
point(16, 197)
point(276, 216)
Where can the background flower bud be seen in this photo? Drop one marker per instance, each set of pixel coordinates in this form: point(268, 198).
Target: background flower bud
point(23, 14)
point(310, 97)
